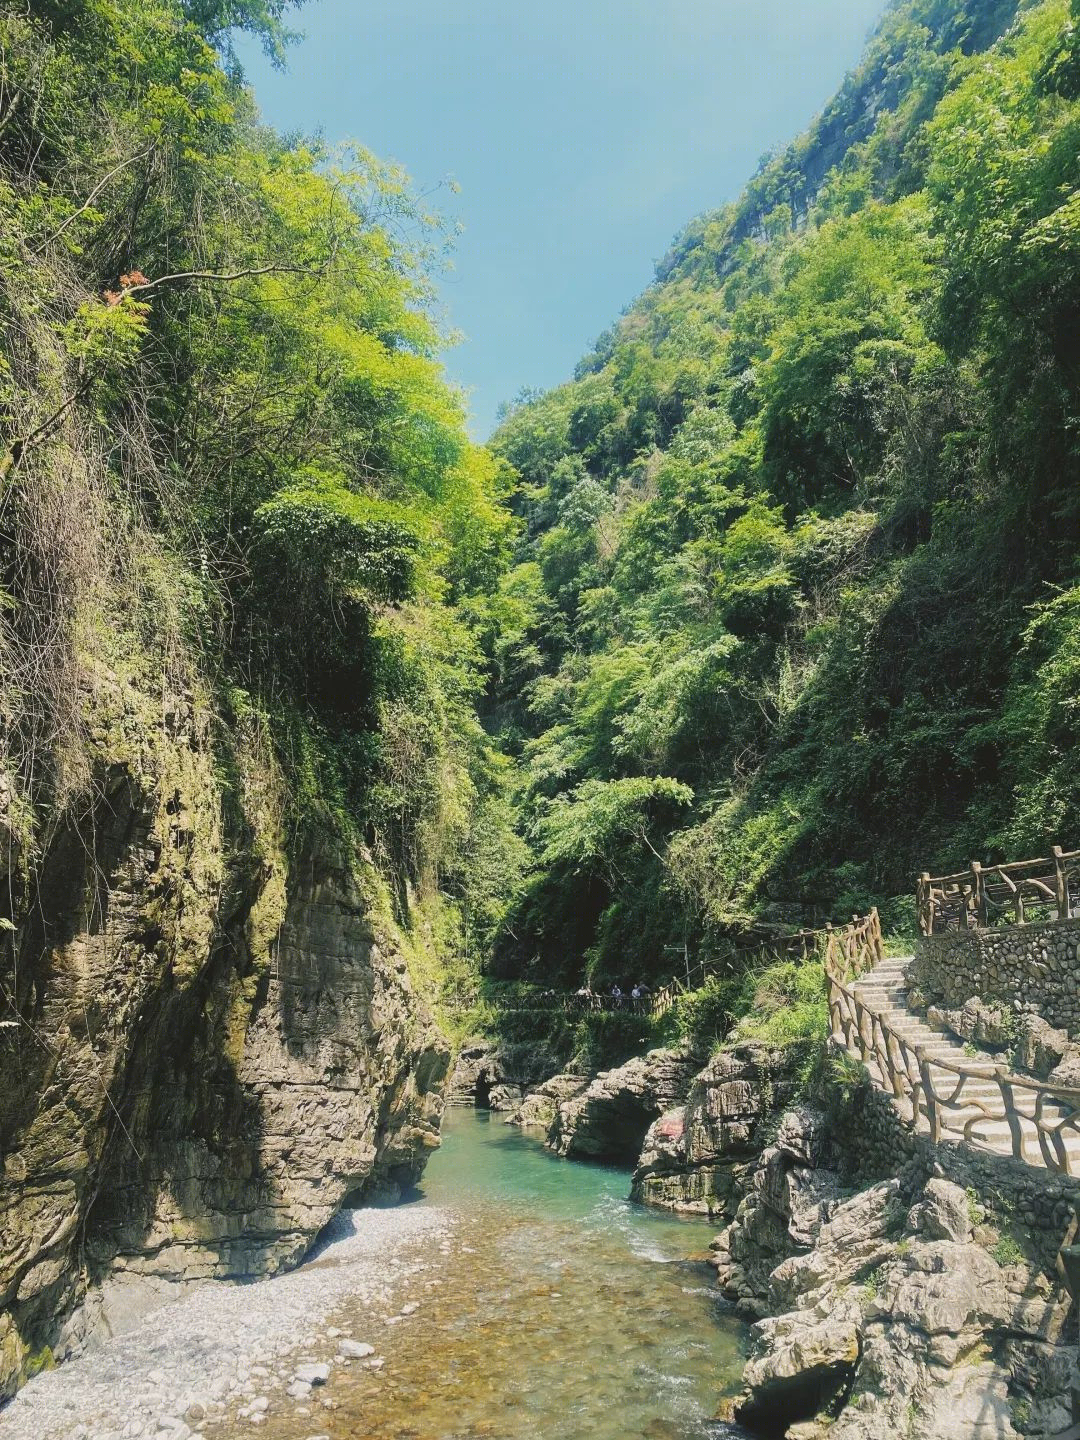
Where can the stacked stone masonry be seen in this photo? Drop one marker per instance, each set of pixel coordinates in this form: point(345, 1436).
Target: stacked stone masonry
point(1032, 968)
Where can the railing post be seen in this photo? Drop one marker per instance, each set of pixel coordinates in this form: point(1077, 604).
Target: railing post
point(1008, 1102)
point(933, 1114)
point(925, 904)
point(978, 883)
point(1061, 885)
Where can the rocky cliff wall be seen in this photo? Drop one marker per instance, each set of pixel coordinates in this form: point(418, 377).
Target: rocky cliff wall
point(696, 1156)
point(898, 1287)
point(925, 1304)
point(212, 1050)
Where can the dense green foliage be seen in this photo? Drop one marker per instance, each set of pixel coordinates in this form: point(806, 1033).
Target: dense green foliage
point(795, 612)
point(777, 602)
point(231, 465)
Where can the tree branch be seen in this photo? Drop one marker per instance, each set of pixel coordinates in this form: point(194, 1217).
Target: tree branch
point(16, 451)
point(51, 239)
point(226, 277)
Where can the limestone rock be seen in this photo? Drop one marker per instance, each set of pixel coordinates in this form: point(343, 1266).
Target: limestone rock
point(1041, 1048)
point(477, 1068)
point(610, 1118)
point(254, 1025)
point(355, 1349)
point(504, 1097)
point(895, 1318)
point(696, 1157)
point(496, 1077)
point(943, 1213)
point(977, 1022)
point(799, 1362)
point(1067, 1073)
point(539, 1108)
point(313, 1372)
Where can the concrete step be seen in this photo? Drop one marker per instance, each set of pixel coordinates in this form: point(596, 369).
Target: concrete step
point(883, 991)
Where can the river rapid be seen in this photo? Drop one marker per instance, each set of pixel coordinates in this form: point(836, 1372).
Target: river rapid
point(514, 1295)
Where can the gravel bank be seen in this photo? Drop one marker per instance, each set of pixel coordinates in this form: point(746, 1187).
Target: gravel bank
point(226, 1350)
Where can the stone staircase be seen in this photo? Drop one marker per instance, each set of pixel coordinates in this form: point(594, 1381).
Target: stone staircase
point(971, 1104)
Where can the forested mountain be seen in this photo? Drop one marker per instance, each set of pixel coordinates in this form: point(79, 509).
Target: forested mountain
point(775, 603)
point(796, 613)
point(231, 467)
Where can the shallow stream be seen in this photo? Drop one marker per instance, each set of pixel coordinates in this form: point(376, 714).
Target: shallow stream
point(517, 1296)
point(557, 1309)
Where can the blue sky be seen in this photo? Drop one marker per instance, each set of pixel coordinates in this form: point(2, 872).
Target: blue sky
point(583, 136)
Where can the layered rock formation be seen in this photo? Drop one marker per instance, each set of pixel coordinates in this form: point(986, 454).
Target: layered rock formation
point(212, 1051)
point(493, 1076)
point(696, 1157)
point(607, 1117)
point(903, 1309)
point(540, 1108)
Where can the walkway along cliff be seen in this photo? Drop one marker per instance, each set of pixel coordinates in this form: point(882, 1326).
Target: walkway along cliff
point(902, 1228)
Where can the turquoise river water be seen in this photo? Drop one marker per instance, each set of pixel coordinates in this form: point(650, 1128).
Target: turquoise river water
point(559, 1310)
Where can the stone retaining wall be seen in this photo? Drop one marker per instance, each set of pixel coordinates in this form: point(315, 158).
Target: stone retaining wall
point(1039, 1207)
point(1032, 968)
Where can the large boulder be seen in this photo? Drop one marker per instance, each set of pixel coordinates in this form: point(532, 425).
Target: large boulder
point(538, 1109)
point(943, 1213)
point(493, 1076)
point(1040, 1048)
point(609, 1119)
point(887, 1317)
point(977, 1022)
point(696, 1157)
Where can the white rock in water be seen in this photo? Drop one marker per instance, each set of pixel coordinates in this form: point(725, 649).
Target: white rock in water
point(355, 1349)
point(298, 1390)
point(411, 1308)
point(259, 1404)
point(314, 1372)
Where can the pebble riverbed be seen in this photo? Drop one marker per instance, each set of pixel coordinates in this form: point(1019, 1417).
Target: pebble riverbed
point(515, 1296)
point(224, 1353)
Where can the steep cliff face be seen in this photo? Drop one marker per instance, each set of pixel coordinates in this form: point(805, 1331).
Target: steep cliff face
point(214, 1050)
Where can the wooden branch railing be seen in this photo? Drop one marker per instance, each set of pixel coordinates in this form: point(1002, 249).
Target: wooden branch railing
point(798, 946)
point(854, 949)
point(851, 948)
point(1033, 1119)
point(1017, 893)
point(846, 951)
